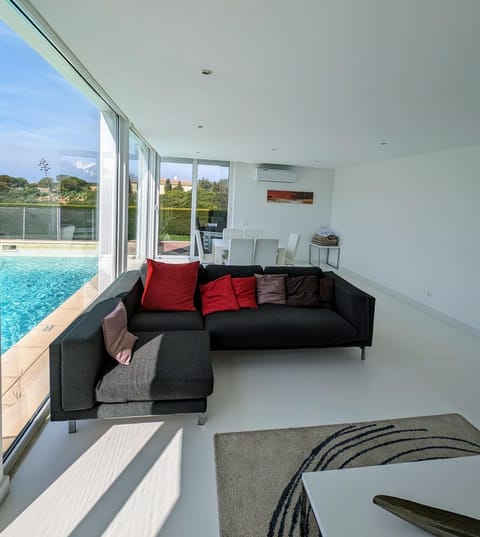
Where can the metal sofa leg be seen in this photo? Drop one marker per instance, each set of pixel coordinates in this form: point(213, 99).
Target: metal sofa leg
point(202, 418)
point(72, 426)
point(363, 353)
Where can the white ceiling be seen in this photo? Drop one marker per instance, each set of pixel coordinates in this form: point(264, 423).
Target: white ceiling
point(323, 82)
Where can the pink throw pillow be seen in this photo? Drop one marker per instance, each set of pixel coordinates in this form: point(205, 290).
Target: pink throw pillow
point(118, 341)
point(271, 288)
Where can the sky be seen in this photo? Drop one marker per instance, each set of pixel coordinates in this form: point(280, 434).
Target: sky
point(42, 115)
point(183, 172)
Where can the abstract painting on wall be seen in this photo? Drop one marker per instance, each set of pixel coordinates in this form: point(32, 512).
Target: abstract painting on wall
point(289, 196)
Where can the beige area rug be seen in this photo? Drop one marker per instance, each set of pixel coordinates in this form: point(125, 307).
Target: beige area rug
point(259, 473)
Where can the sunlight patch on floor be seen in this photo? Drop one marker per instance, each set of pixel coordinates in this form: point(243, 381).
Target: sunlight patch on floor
point(132, 468)
point(147, 509)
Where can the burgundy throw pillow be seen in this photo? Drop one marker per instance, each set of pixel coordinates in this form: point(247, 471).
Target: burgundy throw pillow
point(271, 288)
point(218, 295)
point(303, 291)
point(245, 291)
point(327, 292)
point(170, 286)
point(118, 340)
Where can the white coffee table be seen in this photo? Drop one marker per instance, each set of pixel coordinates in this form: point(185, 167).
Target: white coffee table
point(341, 500)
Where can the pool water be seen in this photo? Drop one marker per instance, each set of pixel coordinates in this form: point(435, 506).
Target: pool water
point(32, 287)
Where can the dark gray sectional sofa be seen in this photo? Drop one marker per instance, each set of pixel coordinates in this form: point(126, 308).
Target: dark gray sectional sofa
point(273, 326)
point(171, 370)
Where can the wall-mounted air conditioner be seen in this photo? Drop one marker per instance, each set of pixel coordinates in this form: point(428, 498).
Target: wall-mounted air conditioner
point(276, 175)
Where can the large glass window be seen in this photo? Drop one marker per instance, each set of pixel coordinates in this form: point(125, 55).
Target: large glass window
point(178, 215)
point(212, 201)
point(175, 207)
point(138, 165)
point(49, 218)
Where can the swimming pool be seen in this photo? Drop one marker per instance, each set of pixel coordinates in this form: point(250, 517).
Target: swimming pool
point(32, 287)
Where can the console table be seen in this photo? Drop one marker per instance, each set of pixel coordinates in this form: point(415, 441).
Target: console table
point(341, 500)
point(319, 249)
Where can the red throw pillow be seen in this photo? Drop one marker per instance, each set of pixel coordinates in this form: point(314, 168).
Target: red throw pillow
point(218, 295)
point(170, 286)
point(245, 291)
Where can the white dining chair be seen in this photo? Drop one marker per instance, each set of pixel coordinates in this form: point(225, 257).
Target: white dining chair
point(251, 233)
point(265, 252)
point(232, 233)
point(291, 249)
point(67, 233)
point(220, 249)
point(204, 258)
point(240, 251)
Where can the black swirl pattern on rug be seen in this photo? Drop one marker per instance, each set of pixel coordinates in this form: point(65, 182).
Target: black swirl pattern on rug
point(347, 442)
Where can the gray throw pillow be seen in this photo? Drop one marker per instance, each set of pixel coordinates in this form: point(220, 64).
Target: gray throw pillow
point(271, 288)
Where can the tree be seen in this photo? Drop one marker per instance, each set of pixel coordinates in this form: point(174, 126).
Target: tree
point(70, 184)
point(46, 182)
point(206, 199)
point(168, 185)
point(176, 198)
point(10, 183)
point(91, 196)
point(179, 186)
point(132, 190)
point(212, 194)
point(204, 184)
point(44, 167)
point(17, 190)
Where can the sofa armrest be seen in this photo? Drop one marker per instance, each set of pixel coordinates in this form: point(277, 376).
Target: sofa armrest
point(356, 306)
point(129, 287)
point(76, 358)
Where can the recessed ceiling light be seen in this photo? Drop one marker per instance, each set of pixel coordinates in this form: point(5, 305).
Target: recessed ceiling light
point(200, 126)
point(207, 72)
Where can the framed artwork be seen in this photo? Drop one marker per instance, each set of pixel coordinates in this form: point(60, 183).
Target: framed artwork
point(289, 196)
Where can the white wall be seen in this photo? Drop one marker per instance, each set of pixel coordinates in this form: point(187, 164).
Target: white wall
point(278, 220)
point(413, 225)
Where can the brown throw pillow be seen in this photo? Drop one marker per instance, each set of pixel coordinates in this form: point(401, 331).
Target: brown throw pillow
point(271, 288)
point(302, 291)
point(327, 292)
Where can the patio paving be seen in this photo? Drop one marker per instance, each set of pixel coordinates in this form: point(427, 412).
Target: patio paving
point(25, 372)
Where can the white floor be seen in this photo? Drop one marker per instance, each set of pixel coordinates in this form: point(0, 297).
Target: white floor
point(152, 478)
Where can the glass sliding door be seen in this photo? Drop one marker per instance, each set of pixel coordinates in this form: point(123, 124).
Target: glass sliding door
point(174, 222)
point(212, 201)
point(137, 200)
point(50, 179)
point(187, 204)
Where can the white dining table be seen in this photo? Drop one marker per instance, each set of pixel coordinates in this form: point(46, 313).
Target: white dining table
point(220, 250)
